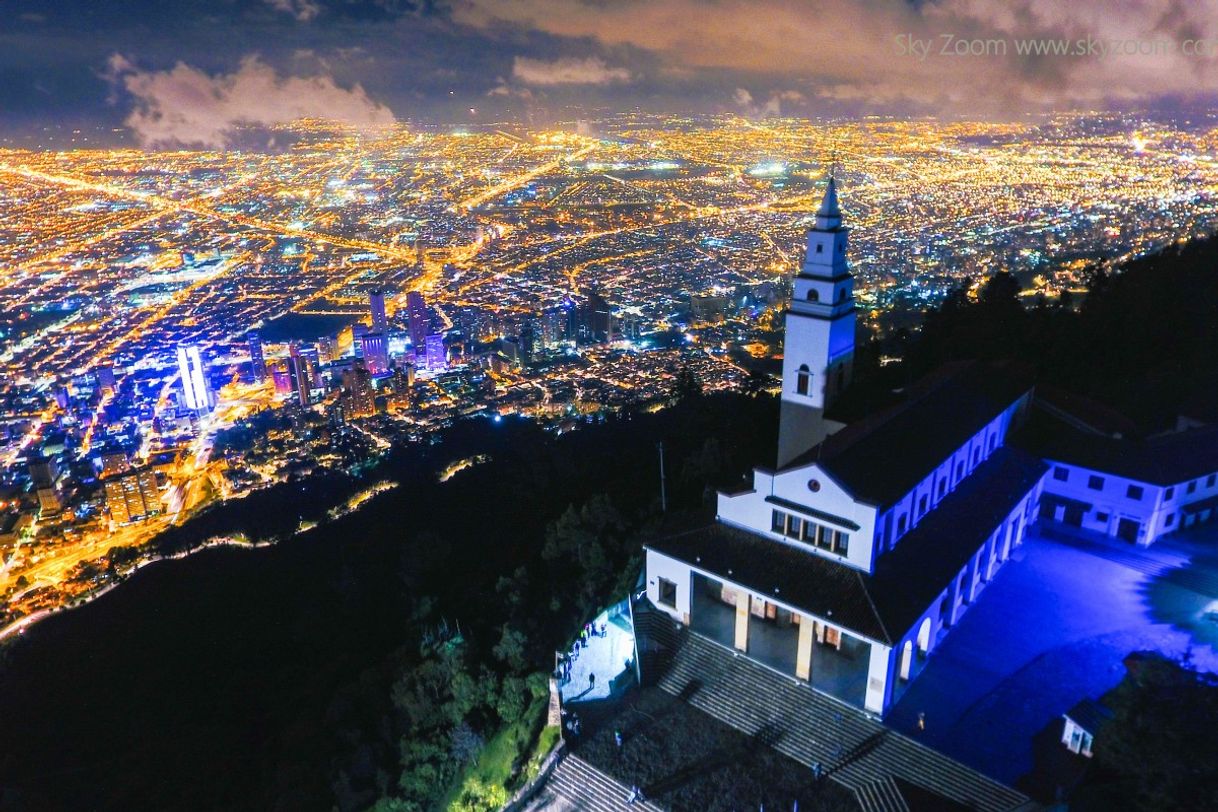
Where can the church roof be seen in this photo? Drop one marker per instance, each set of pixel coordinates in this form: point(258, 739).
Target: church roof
point(1167, 459)
point(882, 606)
point(881, 458)
point(828, 204)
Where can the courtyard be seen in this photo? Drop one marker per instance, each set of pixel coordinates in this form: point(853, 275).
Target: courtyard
point(1053, 628)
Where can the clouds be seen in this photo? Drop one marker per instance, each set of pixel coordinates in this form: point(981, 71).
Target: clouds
point(184, 106)
point(771, 107)
point(569, 71)
point(302, 10)
point(848, 50)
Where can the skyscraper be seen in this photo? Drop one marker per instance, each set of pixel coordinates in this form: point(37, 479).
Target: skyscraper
point(257, 362)
point(358, 397)
point(375, 352)
point(301, 368)
point(437, 360)
point(376, 304)
point(419, 320)
point(195, 389)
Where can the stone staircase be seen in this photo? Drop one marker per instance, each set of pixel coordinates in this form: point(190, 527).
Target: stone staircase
point(851, 747)
point(1164, 559)
point(657, 638)
point(577, 785)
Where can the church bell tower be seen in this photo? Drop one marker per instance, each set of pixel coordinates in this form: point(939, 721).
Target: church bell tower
point(818, 351)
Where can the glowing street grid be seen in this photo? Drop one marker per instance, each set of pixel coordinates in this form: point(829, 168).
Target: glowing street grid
point(684, 231)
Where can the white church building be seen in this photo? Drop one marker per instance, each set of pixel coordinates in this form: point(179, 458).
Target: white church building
point(846, 564)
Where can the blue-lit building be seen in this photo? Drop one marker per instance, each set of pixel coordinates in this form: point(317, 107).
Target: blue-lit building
point(849, 561)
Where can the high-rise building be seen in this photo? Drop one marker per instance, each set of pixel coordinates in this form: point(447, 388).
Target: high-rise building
point(419, 321)
point(195, 388)
point(376, 304)
point(375, 352)
point(132, 497)
point(43, 472)
point(327, 349)
point(437, 360)
point(358, 398)
point(283, 378)
point(302, 368)
point(595, 320)
point(105, 379)
point(49, 502)
point(528, 341)
point(257, 362)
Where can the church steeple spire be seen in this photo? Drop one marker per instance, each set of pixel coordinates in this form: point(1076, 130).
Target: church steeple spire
point(829, 215)
point(818, 351)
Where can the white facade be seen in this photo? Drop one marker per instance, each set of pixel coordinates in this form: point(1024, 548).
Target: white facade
point(1133, 510)
point(196, 392)
point(818, 349)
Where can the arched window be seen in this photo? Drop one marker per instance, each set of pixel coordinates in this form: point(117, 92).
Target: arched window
point(813, 295)
point(803, 380)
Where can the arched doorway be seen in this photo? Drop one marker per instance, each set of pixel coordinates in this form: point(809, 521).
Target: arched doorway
point(924, 637)
point(906, 659)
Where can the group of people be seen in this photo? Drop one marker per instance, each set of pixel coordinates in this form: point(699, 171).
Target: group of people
point(571, 722)
point(563, 672)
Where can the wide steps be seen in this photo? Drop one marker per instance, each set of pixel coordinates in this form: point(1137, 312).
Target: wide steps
point(583, 787)
point(855, 750)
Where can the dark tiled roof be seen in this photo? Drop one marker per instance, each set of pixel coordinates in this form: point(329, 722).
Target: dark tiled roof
point(885, 605)
point(1090, 715)
point(1167, 459)
point(767, 567)
point(910, 576)
point(880, 459)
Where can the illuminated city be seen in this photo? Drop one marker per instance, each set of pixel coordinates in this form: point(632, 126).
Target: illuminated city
point(552, 406)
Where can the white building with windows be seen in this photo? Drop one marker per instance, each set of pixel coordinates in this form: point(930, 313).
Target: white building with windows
point(847, 563)
point(1133, 490)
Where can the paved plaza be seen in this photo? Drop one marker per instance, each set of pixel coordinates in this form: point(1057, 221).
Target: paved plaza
point(1053, 628)
point(610, 658)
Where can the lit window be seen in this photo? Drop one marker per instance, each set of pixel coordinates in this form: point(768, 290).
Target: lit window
point(1134, 492)
point(1095, 483)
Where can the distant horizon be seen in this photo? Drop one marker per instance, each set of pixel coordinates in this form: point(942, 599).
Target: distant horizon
point(46, 137)
point(183, 71)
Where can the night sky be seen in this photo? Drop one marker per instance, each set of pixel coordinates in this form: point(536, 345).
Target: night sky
point(183, 71)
